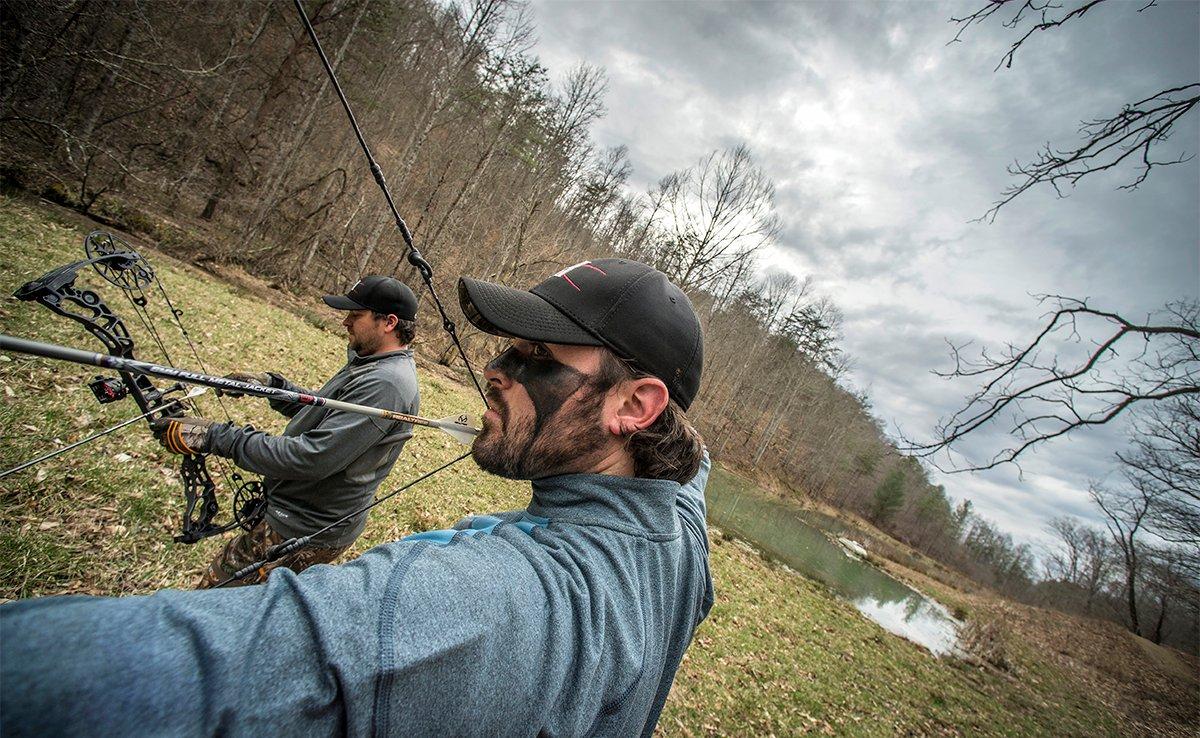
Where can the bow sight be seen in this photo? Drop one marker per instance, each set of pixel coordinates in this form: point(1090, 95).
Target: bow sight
point(120, 265)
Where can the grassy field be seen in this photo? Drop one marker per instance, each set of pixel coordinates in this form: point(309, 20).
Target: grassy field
point(779, 654)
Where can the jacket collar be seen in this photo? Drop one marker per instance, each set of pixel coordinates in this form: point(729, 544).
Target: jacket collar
point(644, 507)
point(355, 360)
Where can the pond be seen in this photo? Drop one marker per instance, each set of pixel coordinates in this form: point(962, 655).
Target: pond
point(806, 542)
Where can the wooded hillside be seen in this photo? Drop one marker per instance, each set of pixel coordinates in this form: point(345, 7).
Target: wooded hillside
point(213, 129)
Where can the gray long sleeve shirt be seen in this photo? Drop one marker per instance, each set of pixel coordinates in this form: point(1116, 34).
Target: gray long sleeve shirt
point(328, 463)
point(568, 618)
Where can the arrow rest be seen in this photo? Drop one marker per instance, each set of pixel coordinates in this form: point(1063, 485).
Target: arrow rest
point(108, 389)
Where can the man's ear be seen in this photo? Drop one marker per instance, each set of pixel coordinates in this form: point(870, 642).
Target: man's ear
point(637, 403)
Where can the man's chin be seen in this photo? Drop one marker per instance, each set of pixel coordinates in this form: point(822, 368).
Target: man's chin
point(491, 461)
point(495, 453)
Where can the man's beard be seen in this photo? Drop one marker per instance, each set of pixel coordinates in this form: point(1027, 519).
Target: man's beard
point(541, 447)
point(365, 346)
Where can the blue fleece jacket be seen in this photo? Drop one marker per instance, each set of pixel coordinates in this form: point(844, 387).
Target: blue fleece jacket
point(567, 618)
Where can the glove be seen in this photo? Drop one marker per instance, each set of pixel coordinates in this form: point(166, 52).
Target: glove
point(182, 435)
point(262, 379)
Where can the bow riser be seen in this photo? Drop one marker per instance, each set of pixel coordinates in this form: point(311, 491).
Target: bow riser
point(126, 269)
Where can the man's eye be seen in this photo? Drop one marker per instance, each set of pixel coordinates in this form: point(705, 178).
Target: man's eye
point(541, 352)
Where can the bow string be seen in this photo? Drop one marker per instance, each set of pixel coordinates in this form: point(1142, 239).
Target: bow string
point(116, 262)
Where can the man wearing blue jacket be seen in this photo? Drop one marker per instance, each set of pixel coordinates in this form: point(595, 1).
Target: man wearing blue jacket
point(569, 617)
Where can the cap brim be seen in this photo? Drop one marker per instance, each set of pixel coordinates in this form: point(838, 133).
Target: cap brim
point(504, 311)
point(341, 302)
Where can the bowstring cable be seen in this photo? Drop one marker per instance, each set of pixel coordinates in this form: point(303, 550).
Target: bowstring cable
point(222, 470)
point(136, 295)
point(175, 316)
point(423, 268)
point(414, 256)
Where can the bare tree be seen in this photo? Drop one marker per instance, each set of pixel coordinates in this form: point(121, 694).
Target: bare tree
point(1166, 461)
point(1126, 512)
point(1097, 565)
point(1064, 564)
point(777, 294)
point(1084, 560)
point(714, 219)
point(1134, 133)
point(1085, 367)
point(1170, 579)
point(996, 559)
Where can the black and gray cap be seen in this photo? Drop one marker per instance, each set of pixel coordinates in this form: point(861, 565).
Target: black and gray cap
point(627, 306)
point(381, 294)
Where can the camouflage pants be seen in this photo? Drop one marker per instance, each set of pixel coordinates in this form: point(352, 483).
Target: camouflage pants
point(249, 547)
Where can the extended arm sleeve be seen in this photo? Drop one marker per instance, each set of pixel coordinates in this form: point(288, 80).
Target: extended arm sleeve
point(692, 511)
point(690, 502)
point(329, 448)
point(388, 644)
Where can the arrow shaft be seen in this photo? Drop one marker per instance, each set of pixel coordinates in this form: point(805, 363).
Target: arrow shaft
point(133, 366)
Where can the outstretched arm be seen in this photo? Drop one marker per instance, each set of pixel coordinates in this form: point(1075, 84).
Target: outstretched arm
point(409, 637)
point(336, 441)
point(316, 454)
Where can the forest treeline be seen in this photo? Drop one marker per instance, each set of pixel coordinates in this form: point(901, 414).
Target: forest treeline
point(212, 128)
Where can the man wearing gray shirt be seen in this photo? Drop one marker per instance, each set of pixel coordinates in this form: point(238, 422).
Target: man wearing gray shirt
point(326, 463)
point(569, 617)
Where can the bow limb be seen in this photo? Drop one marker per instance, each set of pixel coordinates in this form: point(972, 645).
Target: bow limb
point(56, 290)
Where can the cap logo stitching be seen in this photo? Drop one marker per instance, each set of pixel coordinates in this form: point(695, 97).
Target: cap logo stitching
point(570, 269)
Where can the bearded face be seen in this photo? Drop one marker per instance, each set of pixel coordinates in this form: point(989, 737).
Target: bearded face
point(364, 332)
point(545, 416)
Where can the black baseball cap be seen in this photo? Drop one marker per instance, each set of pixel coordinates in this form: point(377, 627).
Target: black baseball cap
point(381, 294)
point(627, 306)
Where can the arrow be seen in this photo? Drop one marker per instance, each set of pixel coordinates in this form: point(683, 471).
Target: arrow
point(458, 427)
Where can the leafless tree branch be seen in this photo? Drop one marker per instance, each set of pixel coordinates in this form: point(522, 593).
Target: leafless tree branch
point(1083, 382)
point(1132, 134)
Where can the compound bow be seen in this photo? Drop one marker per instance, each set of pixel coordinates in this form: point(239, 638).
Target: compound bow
point(119, 264)
point(125, 268)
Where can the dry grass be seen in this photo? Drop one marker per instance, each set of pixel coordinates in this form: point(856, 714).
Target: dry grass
point(779, 655)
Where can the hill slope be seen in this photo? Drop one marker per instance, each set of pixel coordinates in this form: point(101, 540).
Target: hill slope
point(779, 654)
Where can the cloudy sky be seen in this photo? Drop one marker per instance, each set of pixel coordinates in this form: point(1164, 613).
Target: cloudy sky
point(884, 142)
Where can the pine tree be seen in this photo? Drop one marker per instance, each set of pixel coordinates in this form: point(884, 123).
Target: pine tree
point(888, 497)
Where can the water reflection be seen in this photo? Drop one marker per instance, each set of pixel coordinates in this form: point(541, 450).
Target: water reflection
point(781, 532)
point(916, 618)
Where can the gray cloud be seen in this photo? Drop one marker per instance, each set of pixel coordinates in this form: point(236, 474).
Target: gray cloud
point(884, 142)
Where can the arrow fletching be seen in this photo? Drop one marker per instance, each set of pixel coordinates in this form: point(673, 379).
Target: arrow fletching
point(458, 427)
